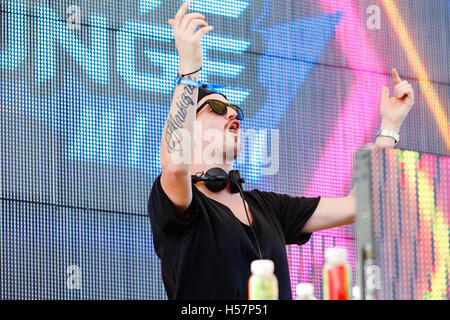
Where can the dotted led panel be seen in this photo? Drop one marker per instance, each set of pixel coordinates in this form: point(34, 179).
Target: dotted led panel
point(85, 88)
point(410, 210)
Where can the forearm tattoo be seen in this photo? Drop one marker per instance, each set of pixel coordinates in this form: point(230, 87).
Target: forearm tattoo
point(172, 134)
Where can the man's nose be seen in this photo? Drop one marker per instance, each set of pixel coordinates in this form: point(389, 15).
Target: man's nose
point(231, 113)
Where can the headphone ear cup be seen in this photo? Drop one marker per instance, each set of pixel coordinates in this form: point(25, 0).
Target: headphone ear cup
point(235, 179)
point(217, 179)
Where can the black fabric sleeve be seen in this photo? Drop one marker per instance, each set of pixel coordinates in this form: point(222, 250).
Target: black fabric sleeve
point(293, 213)
point(164, 221)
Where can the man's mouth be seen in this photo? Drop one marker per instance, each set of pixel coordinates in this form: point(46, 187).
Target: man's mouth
point(234, 126)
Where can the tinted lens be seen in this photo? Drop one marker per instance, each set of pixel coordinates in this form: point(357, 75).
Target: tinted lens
point(218, 106)
point(240, 114)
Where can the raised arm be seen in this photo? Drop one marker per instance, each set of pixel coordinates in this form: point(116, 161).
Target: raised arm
point(176, 140)
point(335, 212)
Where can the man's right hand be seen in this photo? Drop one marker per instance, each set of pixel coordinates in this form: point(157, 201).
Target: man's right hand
point(187, 38)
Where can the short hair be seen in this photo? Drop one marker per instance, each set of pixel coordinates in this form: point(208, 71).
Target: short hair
point(203, 92)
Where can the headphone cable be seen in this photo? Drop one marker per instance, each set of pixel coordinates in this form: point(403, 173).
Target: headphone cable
point(248, 218)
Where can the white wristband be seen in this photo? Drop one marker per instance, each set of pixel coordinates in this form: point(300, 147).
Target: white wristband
point(388, 133)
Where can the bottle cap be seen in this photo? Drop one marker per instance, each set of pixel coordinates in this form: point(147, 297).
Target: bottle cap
point(263, 266)
point(305, 289)
point(336, 255)
point(368, 251)
point(356, 293)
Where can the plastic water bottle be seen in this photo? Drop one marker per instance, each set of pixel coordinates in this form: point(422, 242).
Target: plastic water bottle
point(263, 284)
point(336, 275)
point(305, 291)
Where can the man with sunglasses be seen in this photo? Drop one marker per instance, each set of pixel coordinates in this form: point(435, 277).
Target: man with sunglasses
point(203, 237)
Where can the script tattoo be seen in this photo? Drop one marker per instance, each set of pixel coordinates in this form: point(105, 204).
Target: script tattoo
point(173, 135)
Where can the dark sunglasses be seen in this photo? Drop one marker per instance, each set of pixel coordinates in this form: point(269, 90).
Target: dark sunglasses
point(220, 107)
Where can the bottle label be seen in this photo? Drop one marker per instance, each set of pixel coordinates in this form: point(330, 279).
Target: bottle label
point(336, 281)
point(263, 288)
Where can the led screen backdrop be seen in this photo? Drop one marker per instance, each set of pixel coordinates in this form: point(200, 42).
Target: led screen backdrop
point(85, 88)
point(407, 196)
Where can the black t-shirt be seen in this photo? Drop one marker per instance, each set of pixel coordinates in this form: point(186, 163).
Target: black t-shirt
point(208, 255)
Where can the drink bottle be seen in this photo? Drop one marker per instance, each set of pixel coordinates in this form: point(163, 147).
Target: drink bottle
point(263, 284)
point(336, 275)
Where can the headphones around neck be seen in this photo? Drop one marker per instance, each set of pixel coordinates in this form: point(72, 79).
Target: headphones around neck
point(216, 179)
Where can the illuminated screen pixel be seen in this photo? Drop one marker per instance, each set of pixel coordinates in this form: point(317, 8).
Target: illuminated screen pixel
point(85, 89)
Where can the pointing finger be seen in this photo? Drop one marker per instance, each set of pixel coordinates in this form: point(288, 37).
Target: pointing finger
point(396, 76)
point(181, 12)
